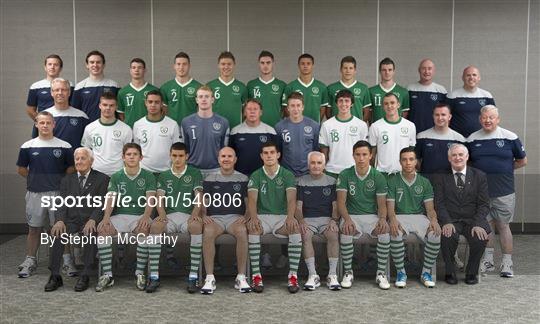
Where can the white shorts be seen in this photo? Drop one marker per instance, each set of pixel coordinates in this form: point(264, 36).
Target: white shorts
point(225, 221)
point(417, 224)
point(124, 223)
point(365, 224)
point(36, 215)
point(271, 223)
point(317, 224)
point(177, 222)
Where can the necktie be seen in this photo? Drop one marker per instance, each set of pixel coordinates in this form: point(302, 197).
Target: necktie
point(459, 182)
point(81, 182)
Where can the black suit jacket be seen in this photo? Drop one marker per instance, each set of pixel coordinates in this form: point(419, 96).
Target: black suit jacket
point(470, 207)
point(95, 185)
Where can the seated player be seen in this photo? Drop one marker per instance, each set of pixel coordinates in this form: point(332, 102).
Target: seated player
point(226, 191)
point(181, 180)
point(271, 208)
point(361, 200)
point(411, 210)
point(119, 217)
point(316, 212)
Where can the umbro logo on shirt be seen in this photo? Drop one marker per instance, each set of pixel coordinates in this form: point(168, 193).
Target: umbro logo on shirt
point(86, 92)
point(35, 153)
point(44, 92)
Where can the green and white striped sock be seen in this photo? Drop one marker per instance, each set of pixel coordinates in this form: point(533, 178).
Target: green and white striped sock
point(254, 249)
point(195, 249)
point(105, 257)
point(347, 251)
point(295, 252)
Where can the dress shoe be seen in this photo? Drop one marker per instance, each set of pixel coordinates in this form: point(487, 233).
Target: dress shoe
point(471, 279)
point(82, 283)
point(54, 283)
point(451, 278)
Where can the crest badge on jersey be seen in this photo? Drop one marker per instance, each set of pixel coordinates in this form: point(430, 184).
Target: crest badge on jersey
point(187, 179)
point(57, 153)
point(141, 182)
point(263, 138)
point(145, 93)
point(163, 129)
point(433, 97)
point(404, 130)
point(500, 143)
point(418, 189)
point(73, 121)
point(353, 129)
point(308, 129)
point(117, 133)
point(190, 90)
point(357, 91)
point(327, 191)
point(275, 87)
point(370, 184)
point(315, 90)
point(236, 187)
point(236, 88)
point(216, 126)
point(279, 181)
point(482, 102)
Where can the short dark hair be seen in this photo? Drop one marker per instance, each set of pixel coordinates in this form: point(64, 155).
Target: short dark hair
point(407, 150)
point(108, 95)
point(138, 60)
point(348, 59)
point(345, 93)
point(251, 100)
point(226, 54)
point(44, 113)
point(154, 93)
point(362, 143)
point(306, 55)
point(182, 55)
point(95, 52)
point(54, 56)
point(387, 61)
point(179, 146)
point(265, 53)
point(296, 95)
point(443, 105)
point(391, 94)
point(127, 146)
point(269, 144)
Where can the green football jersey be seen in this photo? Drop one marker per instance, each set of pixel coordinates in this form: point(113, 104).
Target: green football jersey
point(377, 93)
point(362, 192)
point(229, 99)
point(179, 190)
point(315, 96)
point(180, 98)
point(409, 198)
point(269, 95)
point(134, 187)
point(360, 92)
point(272, 192)
point(131, 102)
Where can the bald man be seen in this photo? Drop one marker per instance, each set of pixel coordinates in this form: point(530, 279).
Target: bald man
point(223, 211)
point(424, 95)
point(467, 101)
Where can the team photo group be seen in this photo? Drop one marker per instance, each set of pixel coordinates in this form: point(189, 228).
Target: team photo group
point(295, 160)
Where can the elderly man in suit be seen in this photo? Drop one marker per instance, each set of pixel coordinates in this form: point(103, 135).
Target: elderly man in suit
point(86, 182)
point(462, 204)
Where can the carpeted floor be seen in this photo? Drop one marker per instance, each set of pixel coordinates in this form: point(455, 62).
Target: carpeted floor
point(494, 300)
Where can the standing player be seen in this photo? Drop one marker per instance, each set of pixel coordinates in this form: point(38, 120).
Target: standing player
point(362, 99)
point(467, 101)
point(267, 90)
point(317, 214)
point(297, 136)
point(131, 98)
point(155, 133)
point(39, 95)
point(138, 185)
point(107, 136)
point(411, 210)
point(204, 133)
point(432, 144)
point(227, 192)
point(271, 209)
point(229, 93)
point(314, 91)
point(339, 134)
point(424, 95)
point(88, 91)
point(43, 161)
point(247, 138)
point(498, 152)
point(361, 202)
point(387, 70)
point(389, 135)
point(179, 93)
point(181, 180)
point(69, 123)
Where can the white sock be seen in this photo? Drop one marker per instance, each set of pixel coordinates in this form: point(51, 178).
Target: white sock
point(488, 254)
point(210, 277)
point(310, 264)
point(67, 258)
point(507, 258)
point(332, 266)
